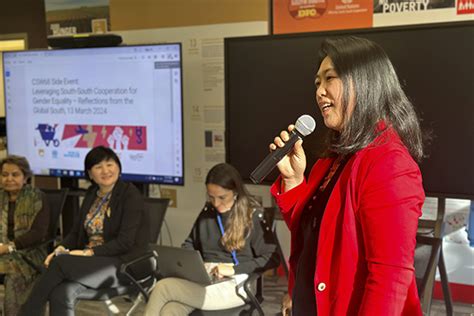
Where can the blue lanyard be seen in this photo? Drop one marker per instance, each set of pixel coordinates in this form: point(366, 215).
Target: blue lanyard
point(104, 199)
point(221, 227)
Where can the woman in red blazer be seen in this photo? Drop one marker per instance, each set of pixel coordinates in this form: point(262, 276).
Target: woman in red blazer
point(353, 222)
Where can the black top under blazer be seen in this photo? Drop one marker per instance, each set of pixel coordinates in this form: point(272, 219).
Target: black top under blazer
point(126, 231)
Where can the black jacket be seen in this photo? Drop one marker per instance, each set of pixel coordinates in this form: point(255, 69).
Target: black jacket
point(126, 231)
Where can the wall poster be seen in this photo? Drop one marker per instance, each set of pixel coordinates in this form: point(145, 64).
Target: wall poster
point(294, 16)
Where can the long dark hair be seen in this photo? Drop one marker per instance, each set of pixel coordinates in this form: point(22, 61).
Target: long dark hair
point(378, 94)
point(239, 224)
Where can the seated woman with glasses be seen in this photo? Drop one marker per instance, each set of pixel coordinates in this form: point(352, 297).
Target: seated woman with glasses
point(232, 239)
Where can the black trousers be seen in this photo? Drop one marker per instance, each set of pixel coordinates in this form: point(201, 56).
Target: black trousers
point(65, 279)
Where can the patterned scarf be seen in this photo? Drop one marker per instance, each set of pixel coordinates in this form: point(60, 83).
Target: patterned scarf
point(27, 205)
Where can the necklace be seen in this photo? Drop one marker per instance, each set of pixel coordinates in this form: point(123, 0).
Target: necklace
point(102, 194)
point(336, 163)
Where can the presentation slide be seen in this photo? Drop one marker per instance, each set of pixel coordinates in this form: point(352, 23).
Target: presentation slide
point(62, 103)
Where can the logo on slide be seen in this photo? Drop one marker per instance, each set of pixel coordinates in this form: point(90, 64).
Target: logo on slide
point(47, 133)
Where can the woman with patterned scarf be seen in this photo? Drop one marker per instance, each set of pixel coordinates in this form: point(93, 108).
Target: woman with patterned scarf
point(24, 218)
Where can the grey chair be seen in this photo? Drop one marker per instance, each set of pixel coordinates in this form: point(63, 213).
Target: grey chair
point(272, 215)
point(434, 228)
point(141, 272)
point(55, 199)
point(157, 210)
point(426, 259)
point(253, 287)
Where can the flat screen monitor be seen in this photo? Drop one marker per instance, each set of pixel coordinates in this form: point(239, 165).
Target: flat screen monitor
point(61, 103)
point(270, 83)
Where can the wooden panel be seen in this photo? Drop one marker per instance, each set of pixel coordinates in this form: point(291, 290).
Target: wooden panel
point(148, 14)
point(26, 16)
point(7, 42)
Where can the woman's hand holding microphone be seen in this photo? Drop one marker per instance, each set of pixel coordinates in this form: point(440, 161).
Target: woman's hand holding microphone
point(293, 165)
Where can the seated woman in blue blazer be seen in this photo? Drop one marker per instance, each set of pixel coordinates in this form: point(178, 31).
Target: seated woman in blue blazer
point(108, 231)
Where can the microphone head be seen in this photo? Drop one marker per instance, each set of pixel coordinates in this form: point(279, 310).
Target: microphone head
point(305, 125)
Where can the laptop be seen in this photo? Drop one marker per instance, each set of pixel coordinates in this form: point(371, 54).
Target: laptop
point(184, 264)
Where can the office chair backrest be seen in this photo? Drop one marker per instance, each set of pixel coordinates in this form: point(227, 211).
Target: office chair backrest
point(156, 209)
point(56, 199)
point(426, 259)
point(272, 215)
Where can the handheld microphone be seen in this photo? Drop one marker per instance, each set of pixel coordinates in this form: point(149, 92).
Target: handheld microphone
point(304, 126)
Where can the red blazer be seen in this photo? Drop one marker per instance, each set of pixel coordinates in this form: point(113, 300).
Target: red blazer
point(364, 263)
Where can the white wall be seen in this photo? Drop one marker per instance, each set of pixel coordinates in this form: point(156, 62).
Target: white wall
point(203, 96)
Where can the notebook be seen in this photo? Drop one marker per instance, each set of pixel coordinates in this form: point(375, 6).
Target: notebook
point(185, 264)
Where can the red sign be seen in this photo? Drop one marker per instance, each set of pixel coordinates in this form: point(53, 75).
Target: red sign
point(465, 7)
point(294, 16)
